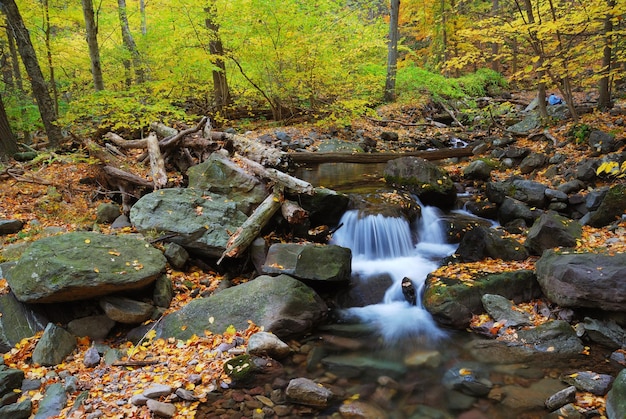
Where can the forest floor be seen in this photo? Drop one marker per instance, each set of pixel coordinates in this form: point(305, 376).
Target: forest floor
point(51, 192)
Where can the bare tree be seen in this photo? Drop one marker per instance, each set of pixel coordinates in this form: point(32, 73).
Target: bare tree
point(392, 52)
point(29, 58)
point(221, 92)
point(91, 29)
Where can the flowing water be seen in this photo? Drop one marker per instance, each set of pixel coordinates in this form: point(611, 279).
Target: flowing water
point(399, 334)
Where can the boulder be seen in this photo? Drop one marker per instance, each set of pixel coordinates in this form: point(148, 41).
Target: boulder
point(18, 321)
point(425, 179)
point(107, 213)
point(198, 221)
point(310, 262)
point(281, 305)
point(532, 162)
point(308, 392)
point(501, 310)
point(616, 398)
point(83, 265)
point(605, 333)
point(96, 327)
point(611, 208)
point(583, 279)
point(452, 301)
point(8, 226)
point(52, 403)
point(512, 209)
point(483, 242)
point(589, 381)
point(55, 344)
point(10, 379)
point(325, 206)
point(551, 230)
point(478, 170)
point(601, 142)
point(267, 344)
point(220, 175)
point(126, 310)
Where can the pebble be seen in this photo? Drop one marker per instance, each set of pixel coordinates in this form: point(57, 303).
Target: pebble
point(157, 390)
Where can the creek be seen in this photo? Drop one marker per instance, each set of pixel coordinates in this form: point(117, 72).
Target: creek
point(391, 353)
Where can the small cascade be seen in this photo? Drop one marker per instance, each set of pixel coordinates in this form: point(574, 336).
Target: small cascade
point(384, 245)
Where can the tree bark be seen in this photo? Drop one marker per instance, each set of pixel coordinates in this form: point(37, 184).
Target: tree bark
point(251, 228)
point(38, 83)
point(91, 29)
point(221, 92)
point(293, 213)
point(157, 165)
point(392, 52)
point(8, 143)
point(48, 35)
point(286, 181)
point(604, 85)
point(129, 42)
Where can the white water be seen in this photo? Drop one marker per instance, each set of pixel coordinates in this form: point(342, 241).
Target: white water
point(384, 245)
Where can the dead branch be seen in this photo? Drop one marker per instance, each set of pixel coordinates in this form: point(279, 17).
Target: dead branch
point(293, 213)
point(252, 149)
point(157, 165)
point(288, 182)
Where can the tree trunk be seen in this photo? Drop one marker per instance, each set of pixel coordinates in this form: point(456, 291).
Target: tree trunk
point(142, 12)
point(392, 52)
point(91, 29)
point(15, 63)
point(38, 83)
point(541, 85)
point(129, 42)
point(8, 143)
point(604, 85)
point(221, 93)
point(47, 32)
point(495, 48)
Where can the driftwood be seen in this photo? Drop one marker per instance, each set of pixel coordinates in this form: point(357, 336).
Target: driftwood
point(157, 165)
point(251, 228)
point(288, 182)
point(252, 149)
point(438, 154)
point(293, 213)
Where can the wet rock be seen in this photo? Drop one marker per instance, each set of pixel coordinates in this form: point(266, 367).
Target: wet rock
point(512, 209)
point(568, 411)
point(364, 291)
point(161, 409)
point(52, 403)
point(355, 365)
point(309, 261)
point(55, 344)
point(10, 379)
point(616, 398)
point(551, 230)
point(501, 309)
point(308, 392)
point(532, 162)
point(325, 206)
point(554, 337)
point(21, 410)
point(263, 343)
point(428, 181)
point(408, 291)
point(427, 412)
point(601, 142)
point(281, 304)
point(520, 399)
point(479, 170)
point(452, 302)
point(10, 226)
point(583, 279)
point(483, 242)
point(469, 378)
point(82, 265)
point(561, 398)
point(95, 327)
point(430, 359)
point(605, 333)
point(126, 310)
point(361, 410)
point(589, 381)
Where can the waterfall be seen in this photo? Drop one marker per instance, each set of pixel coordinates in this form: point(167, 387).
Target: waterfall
point(382, 244)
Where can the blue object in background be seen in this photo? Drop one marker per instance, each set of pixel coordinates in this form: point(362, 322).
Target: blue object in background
point(554, 100)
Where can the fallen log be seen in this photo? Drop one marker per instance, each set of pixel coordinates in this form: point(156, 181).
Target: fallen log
point(252, 149)
point(251, 228)
point(338, 157)
point(157, 164)
point(293, 213)
point(288, 182)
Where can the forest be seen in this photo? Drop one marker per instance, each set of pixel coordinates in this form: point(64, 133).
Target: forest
point(97, 66)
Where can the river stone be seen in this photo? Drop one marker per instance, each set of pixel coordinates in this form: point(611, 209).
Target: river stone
point(18, 321)
point(52, 403)
point(470, 378)
point(512, 210)
point(126, 310)
point(308, 392)
point(589, 381)
point(452, 302)
point(10, 379)
point(551, 230)
point(107, 213)
point(479, 170)
point(82, 265)
point(263, 343)
point(54, 345)
point(281, 305)
point(523, 399)
point(325, 206)
point(429, 182)
point(358, 409)
point(501, 309)
point(605, 333)
point(583, 279)
point(10, 226)
point(355, 365)
point(561, 398)
point(611, 208)
point(482, 242)
point(220, 175)
point(96, 327)
point(616, 398)
point(554, 337)
point(309, 261)
point(197, 221)
point(161, 409)
point(21, 410)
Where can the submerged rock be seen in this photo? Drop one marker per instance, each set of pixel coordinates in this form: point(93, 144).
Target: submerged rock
point(308, 392)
